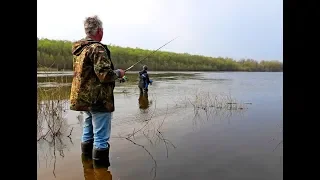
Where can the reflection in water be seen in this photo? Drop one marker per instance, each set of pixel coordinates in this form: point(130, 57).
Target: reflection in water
point(52, 129)
point(203, 115)
point(143, 101)
point(206, 108)
point(91, 173)
point(151, 131)
point(204, 105)
point(52, 146)
point(279, 139)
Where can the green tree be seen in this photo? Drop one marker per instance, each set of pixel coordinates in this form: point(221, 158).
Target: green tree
point(56, 54)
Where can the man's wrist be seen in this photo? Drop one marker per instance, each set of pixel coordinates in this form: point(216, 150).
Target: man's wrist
point(117, 73)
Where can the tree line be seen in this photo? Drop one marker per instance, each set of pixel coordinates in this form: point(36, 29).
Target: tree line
point(56, 54)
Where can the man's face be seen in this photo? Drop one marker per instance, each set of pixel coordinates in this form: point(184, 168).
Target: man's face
point(100, 34)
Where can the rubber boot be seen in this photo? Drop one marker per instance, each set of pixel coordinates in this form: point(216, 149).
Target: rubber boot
point(86, 149)
point(87, 162)
point(101, 157)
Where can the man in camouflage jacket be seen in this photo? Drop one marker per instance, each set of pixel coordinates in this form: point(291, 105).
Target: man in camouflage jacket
point(92, 92)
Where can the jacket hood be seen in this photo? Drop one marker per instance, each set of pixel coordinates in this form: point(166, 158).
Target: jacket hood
point(78, 46)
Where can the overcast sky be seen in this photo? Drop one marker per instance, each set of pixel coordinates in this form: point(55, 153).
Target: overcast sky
point(227, 28)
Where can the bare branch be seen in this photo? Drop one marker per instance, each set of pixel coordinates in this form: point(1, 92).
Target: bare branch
point(143, 147)
point(278, 145)
point(70, 133)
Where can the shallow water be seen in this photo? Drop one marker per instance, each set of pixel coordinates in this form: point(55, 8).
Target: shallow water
point(224, 144)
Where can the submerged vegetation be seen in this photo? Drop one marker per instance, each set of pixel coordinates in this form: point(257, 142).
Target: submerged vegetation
point(56, 55)
point(204, 104)
point(52, 107)
point(52, 124)
point(54, 129)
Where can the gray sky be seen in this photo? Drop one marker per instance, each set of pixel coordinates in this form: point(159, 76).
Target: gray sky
point(227, 28)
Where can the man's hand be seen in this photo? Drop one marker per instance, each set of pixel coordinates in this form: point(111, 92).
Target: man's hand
point(120, 73)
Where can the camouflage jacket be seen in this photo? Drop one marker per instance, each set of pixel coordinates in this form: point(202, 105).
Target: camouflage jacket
point(94, 77)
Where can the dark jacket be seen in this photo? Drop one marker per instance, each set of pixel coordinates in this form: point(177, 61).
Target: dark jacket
point(94, 77)
point(143, 79)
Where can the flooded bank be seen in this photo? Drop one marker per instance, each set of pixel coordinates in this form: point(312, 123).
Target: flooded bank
point(204, 126)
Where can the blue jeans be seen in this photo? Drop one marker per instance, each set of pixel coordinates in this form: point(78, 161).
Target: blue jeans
point(97, 127)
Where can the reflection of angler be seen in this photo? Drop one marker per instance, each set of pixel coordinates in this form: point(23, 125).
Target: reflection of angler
point(143, 101)
point(95, 163)
point(92, 173)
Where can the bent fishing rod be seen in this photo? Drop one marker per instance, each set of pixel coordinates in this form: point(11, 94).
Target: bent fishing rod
point(149, 55)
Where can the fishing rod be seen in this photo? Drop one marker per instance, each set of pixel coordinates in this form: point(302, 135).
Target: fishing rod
point(125, 78)
point(149, 55)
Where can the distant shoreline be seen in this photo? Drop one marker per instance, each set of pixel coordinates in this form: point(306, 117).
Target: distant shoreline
point(171, 71)
point(56, 55)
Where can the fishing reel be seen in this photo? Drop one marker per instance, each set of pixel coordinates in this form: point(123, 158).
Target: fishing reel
point(123, 79)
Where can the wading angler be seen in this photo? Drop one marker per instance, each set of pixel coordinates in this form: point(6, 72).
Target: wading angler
point(92, 91)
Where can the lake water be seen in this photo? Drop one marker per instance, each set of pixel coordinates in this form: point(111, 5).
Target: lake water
point(221, 143)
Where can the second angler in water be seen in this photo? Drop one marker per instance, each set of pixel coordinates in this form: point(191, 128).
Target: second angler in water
point(144, 80)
